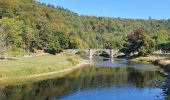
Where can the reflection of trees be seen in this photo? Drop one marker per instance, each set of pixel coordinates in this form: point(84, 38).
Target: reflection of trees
point(85, 78)
point(142, 78)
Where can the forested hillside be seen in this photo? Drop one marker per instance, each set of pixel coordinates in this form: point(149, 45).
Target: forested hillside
point(27, 25)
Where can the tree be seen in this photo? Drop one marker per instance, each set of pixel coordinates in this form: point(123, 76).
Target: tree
point(139, 42)
point(75, 42)
point(108, 44)
point(164, 46)
point(43, 39)
point(107, 41)
point(161, 37)
point(29, 38)
point(2, 41)
point(115, 42)
point(165, 35)
point(54, 45)
point(13, 30)
point(147, 45)
point(63, 40)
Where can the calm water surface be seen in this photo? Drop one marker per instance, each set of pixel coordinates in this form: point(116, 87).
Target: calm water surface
point(116, 79)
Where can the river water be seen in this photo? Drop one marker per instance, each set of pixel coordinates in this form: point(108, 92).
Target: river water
point(106, 79)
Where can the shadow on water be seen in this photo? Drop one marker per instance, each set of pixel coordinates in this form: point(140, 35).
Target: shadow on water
point(105, 80)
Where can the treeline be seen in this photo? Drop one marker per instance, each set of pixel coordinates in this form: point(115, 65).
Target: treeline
point(26, 25)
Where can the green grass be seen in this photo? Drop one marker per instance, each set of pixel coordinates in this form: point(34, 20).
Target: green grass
point(149, 59)
point(145, 59)
point(162, 61)
point(20, 66)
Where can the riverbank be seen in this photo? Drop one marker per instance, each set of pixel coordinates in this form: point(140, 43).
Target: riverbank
point(32, 69)
point(163, 62)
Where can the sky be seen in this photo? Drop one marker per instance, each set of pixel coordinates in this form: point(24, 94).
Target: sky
point(133, 9)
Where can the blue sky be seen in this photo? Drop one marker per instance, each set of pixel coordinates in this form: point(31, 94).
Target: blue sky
point(142, 9)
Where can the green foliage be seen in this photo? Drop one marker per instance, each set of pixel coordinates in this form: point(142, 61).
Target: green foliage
point(147, 45)
point(54, 45)
point(29, 38)
point(139, 42)
point(112, 41)
point(161, 37)
point(108, 44)
point(13, 30)
point(73, 43)
point(63, 39)
point(164, 47)
point(32, 26)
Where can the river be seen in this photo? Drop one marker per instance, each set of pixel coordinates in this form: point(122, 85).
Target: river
point(106, 79)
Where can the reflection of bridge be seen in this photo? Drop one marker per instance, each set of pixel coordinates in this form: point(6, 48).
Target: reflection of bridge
point(91, 52)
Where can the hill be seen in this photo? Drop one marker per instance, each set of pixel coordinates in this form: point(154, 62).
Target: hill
point(28, 25)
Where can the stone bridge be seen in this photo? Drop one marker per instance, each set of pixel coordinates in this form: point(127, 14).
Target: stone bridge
point(91, 52)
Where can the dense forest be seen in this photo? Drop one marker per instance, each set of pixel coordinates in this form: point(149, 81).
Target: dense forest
point(27, 25)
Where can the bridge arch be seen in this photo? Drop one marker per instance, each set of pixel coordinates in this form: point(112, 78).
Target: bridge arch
point(91, 52)
point(82, 53)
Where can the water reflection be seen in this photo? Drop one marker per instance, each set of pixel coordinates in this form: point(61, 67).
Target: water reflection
point(92, 82)
point(120, 62)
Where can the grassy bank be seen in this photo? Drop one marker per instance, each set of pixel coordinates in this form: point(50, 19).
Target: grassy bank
point(36, 68)
point(148, 59)
point(163, 62)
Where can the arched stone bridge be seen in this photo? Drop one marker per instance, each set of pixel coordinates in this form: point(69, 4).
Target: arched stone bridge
point(91, 52)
